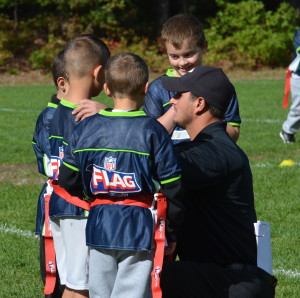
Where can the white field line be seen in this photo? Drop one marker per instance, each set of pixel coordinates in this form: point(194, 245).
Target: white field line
point(262, 120)
point(18, 111)
point(14, 230)
point(243, 119)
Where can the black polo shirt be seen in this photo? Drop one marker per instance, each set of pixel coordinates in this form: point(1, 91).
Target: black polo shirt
point(218, 226)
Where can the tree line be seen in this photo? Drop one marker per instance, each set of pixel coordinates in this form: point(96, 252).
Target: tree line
point(248, 34)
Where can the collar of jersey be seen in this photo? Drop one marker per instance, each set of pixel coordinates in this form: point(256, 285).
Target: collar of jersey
point(122, 114)
point(170, 72)
point(68, 104)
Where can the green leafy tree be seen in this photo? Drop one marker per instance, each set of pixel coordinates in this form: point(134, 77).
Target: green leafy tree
point(246, 35)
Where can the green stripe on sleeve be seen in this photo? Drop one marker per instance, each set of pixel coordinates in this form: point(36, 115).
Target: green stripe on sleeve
point(234, 123)
point(170, 180)
point(71, 167)
point(111, 150)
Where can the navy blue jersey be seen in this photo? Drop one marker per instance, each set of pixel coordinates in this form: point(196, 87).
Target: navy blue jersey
point(122, 154)
point(61, 131)
point(41, 147)
point(157, 103)
point(40, 140)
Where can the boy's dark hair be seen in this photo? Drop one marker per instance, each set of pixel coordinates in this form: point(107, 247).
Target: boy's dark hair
point(83, 53)
point(180, 28)
point(58, 67)
point(126, 74)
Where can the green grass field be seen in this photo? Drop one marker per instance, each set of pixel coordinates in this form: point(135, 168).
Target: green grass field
point(277, 189)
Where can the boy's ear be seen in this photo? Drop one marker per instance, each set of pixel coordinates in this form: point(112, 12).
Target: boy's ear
point(205, 46)
point(106, 90)
point(97, 70)
point(145, 89)
point(62, 85)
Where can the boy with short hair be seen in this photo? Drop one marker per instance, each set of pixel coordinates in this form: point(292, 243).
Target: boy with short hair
point(41, 148)
point(185, 43)
point(121, 158)
point(85, 58)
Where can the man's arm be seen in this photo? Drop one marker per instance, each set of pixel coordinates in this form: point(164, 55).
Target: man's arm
point(87, 108)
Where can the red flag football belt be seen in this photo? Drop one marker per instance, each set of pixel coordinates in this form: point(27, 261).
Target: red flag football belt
point(50, 261)
point(287, 88)
point(144, 201)
point(70, 199)
point(159, 233)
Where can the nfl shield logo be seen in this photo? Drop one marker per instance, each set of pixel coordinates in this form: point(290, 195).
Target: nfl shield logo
point(61, 152)
point(110, 163)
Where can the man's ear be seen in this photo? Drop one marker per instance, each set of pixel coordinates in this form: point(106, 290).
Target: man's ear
point(106, 90)
point(200, 104)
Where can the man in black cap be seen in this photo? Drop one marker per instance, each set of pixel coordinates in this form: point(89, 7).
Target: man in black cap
point(217, 244)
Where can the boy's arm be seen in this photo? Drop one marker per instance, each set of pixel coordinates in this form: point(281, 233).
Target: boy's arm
point(233, 131)
point(167, 120)
point(41, 146)
point(69, 175)
point(87, 108)
point(233, 119)
point(174, 192)
point(70, 179)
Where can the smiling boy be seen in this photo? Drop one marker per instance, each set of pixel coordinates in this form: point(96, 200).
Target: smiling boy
point(185, 44)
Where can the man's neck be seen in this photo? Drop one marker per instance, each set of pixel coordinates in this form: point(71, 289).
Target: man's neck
point(199, 124)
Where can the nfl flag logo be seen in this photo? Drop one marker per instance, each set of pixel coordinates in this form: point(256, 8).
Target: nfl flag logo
point(110, 163)
point(61, 152)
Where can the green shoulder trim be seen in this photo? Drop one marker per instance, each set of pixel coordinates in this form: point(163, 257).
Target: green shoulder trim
point(55, 137)
point(170, 72)
point(170, 180)
point(68, 104)
point(122, 114)
point(71, 167)
point(234, 123)
point(297, 50)
point(111, 150)
point(52, 105)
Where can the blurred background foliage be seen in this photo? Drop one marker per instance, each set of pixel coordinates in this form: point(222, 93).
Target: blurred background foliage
point(246, 34)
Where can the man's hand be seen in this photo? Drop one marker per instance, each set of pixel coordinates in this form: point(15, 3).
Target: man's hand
point(170, 248)
point(87, 108)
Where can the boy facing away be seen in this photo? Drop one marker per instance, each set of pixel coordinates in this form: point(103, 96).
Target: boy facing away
point(121, 158)
point(85, 57)
point(40, 143)
point(185, 43)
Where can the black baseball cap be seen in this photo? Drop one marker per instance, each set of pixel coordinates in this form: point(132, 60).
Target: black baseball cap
point(208, 82)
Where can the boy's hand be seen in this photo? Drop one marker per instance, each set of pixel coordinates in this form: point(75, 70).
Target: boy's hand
point(170, 248)
point(87, 108)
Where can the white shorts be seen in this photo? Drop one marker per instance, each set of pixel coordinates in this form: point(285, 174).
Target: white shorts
point(72, 254)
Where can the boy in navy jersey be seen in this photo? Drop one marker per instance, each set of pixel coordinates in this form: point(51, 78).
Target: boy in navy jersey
point(85, 57)
point(184, 40)
point(121, 158)
point(41, 148)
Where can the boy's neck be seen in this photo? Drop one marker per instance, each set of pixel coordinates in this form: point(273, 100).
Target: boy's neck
point(79, 89)
point(126, 104)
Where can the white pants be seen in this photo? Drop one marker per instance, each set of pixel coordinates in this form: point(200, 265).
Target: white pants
point(292, 123)
point(72, 254)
